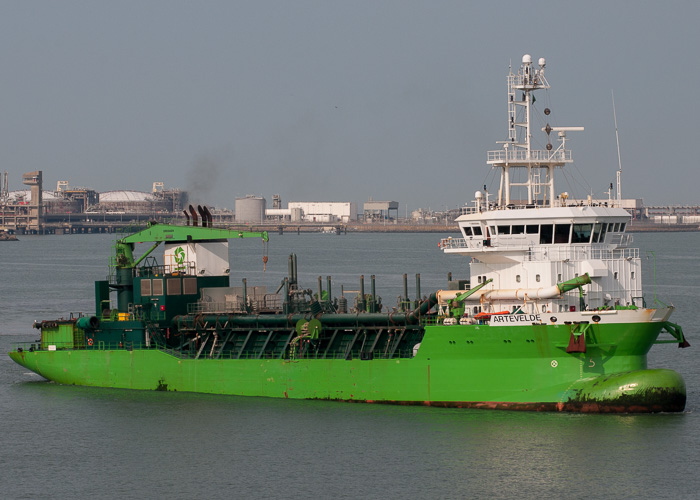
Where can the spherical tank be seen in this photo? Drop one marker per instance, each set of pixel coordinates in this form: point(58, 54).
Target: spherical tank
point(250, 209)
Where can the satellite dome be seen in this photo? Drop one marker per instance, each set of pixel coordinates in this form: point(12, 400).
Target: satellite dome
point(527, 59)
point(542, 62)
point(478, 195)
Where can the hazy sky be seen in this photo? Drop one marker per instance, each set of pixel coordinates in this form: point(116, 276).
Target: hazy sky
point(341, 101)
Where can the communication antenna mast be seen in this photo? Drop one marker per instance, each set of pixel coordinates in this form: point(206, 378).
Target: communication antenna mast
point(619, 159)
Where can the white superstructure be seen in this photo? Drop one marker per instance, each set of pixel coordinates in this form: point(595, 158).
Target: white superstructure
point(528, 239)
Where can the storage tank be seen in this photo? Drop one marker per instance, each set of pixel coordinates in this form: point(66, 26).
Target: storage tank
point(250, 209)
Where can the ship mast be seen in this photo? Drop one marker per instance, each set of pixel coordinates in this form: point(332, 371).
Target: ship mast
point(619, 159)
point(517, 152)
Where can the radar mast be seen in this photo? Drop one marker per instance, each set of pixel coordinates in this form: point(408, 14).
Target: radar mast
point(517, 152)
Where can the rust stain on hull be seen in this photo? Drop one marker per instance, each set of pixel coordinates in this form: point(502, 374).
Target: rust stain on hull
point(570, 406)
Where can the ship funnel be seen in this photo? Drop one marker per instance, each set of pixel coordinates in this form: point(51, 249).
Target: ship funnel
point(187, 216)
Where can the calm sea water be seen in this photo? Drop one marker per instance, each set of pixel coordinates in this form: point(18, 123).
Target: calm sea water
point(75, 442)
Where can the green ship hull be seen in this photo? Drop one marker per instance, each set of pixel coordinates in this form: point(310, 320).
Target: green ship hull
point(479, 366)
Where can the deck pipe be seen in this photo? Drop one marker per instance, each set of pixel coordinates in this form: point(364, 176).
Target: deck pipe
point(373, 305)
point(263, 321)
point(328, 288)
point(193, 212)
point(202, 215)
point(405, 301)
point(418, 299)
point(294, 262)
point(245, 294)
point(320, 289)
point(361, 299)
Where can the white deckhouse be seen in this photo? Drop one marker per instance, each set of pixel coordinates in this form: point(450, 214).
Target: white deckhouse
point(528, 241)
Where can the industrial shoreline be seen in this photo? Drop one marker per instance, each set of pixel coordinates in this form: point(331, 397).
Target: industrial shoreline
point(81, 227)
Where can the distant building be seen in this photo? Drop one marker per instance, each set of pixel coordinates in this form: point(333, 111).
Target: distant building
point(380, 210)
point(250, 208)
point(325, 211)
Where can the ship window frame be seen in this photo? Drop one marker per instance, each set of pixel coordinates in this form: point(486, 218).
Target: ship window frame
point(529, 229)
point(546, 232)
point(517, 278)
point(596, 232)
point(623, 226)
point(517, 229)
point(467, 231)
point(477, 230)
point(616, 227)
point(580, 235)
point(603, 232)
point(560, 238)
point(537, 278)
point(157, 291)
point(504, 229)
point(493, 230)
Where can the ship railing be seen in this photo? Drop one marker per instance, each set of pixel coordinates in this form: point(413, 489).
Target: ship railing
point(189, 268)
point(234, 305)
point(554, 252)
point(461, 243)
point(524, 156)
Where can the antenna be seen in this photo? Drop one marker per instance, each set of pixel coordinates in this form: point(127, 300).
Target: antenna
point(619, 159)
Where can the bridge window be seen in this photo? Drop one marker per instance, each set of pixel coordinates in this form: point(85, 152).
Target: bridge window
point(532, 229)
point(503, 229)
point(467, 231)
point(546, 234)
point(582, 233)
point(622, 227)
point(616, 229)
point(602, 233)
point(596, 232)
point(477, 230)
point(561, 233)
point(518, 230)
